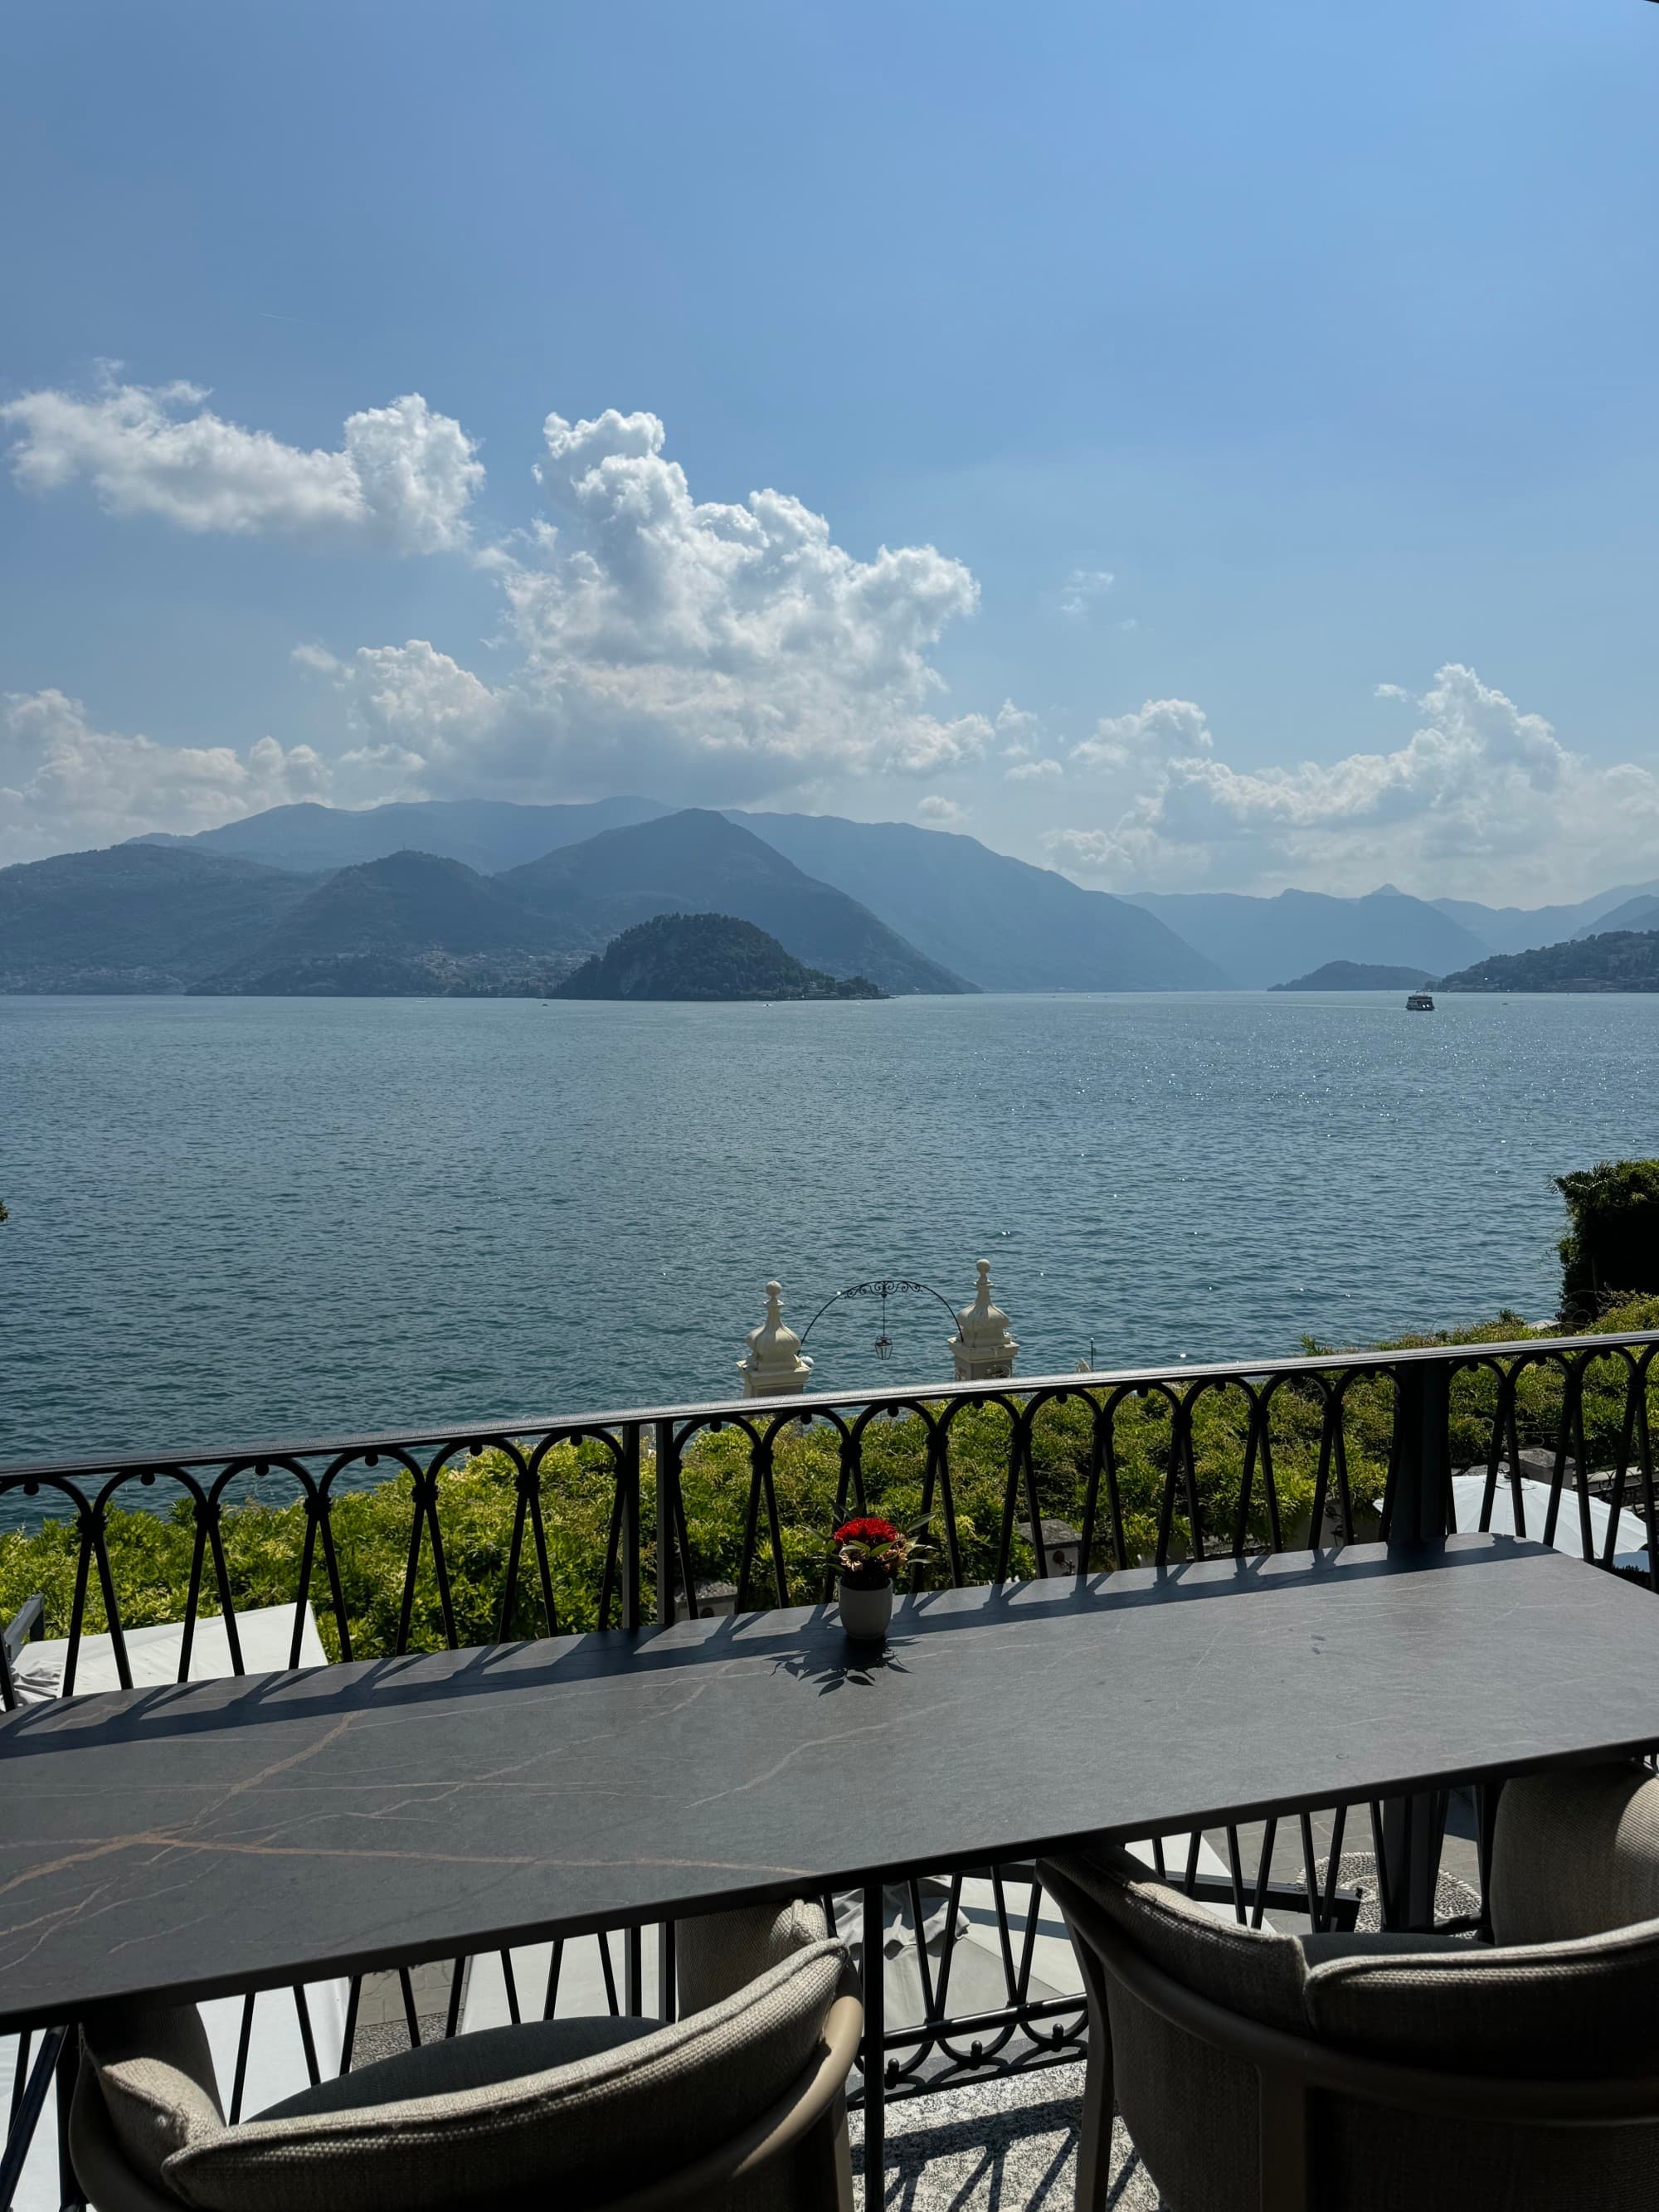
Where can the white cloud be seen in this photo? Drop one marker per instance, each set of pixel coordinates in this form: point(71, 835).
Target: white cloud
point(1083, 590)
point(1479, 788)
point(692, 648)
point(939, 811)
point(1030, 771)
point(403, 478)
point(64, 784)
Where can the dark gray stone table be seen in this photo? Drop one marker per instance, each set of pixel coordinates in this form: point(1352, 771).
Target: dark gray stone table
point(238, 1834)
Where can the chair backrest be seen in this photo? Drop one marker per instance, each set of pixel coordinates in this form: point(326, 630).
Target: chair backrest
point(584, 2132)
point(1574, 1853)
point(1375, 2036)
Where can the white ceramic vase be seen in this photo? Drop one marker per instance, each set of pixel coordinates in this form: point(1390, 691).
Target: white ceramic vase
point(864, 1613)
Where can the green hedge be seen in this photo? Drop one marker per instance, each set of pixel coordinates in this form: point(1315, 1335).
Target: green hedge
point(151, 1551)
point(1611, 1250)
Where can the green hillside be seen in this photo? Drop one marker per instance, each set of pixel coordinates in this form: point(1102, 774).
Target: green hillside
point(703, 956)
point(1619, 960)
point(1356, 975)
point(135, 918)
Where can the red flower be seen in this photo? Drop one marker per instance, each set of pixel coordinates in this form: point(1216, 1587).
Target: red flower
point(867, 1530)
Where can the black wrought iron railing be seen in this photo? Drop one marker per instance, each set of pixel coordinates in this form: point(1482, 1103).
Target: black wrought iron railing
point(503, 1530)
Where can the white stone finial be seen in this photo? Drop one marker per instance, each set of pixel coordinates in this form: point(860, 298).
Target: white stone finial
point(774, 1366)
point(983, 1348)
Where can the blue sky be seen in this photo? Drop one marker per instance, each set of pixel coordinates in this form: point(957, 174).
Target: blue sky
point(1327, 337)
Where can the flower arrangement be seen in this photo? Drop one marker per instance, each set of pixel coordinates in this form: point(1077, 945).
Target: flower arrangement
point(871, 1553)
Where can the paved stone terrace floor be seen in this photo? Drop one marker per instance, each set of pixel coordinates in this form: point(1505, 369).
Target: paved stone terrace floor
point(998, 2146)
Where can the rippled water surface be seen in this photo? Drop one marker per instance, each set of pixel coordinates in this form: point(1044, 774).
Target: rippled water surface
point(234, 1219)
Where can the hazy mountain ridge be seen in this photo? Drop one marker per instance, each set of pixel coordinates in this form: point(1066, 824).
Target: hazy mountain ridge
point(1264, 941)
point(1640, 913)
point(911, 908)
point(1524, 929)
point(1007, 924)
point(488, 834)
point(985, 919)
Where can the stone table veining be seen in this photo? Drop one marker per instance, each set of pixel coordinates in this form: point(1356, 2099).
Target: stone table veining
point(247, 1834)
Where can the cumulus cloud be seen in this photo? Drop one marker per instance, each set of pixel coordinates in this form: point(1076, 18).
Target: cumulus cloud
point(939, 812)
point(1478, 786)
point(696, 648)
point(1083, 590)
point(401, 478)
point(65, 785)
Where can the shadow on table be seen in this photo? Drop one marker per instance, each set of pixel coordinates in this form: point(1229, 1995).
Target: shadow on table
point(807, 1642)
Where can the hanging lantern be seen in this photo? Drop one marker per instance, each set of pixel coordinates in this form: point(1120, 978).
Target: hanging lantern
point(883, 1347)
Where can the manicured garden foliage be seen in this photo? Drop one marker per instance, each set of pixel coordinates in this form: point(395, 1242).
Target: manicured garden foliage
point(1611, 1250)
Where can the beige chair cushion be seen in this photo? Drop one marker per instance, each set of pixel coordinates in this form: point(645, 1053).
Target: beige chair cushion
point(720, 1952)
point(155, 2071)
point(455, 2062)
point(1586, 2009)
point(1574, 1853)
point(580, 2132)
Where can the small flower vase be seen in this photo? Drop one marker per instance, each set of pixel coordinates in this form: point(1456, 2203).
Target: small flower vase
point(864, 1613)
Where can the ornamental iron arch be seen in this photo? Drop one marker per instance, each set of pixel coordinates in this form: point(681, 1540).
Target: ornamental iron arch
point(883, 1287)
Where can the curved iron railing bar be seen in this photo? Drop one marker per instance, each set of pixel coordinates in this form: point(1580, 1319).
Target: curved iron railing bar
point(936, 1481)
point(1103, 1466)
point(1023, 1443)
point(1026, 1430)
point(996, 1394)
point(1183, 1465)
point(440, 1563)
point(94, 1524)
point(210, 1510)
point(624, 1451)
point(1265, 1394)
point(1621, 1471)
point(610, 1578)
point(1333, 1458)
point(1576, 1411)
point(524, 1487)
point(1191, 1400)
point(671, 1526)
point(1644, 1461)
point(411, 1467)
point(1503, 1434)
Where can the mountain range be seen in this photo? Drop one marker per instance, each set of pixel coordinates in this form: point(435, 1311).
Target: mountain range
point(485, 895)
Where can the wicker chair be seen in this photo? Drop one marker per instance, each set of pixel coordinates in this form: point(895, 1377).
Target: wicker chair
point(739, 2103)
point(1258, 2072)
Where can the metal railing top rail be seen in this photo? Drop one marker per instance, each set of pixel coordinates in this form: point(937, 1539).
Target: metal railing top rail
point(1075, 1380)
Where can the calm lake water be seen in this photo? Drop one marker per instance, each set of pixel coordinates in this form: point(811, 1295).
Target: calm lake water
point(236, 1219)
